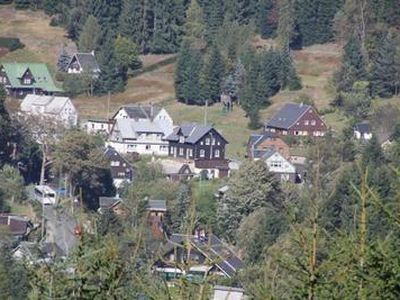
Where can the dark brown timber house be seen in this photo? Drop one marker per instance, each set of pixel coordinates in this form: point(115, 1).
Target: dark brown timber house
point(202, 144)
point(297, 120)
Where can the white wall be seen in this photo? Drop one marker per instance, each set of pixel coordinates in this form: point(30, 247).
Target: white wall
point(286, 166)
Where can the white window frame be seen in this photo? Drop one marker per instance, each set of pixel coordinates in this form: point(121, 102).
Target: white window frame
point(181, 151)
point(202, 153)
point(217, 153)
point(27, 81)
point(207, 141)
point(313, 122)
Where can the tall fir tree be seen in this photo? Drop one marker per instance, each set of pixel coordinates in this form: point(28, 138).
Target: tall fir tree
point(90, 36)
point(213, 75)
point(63, 60)
point(131, 21)
point(353, 66)
point(5, 128)
point(267, 18)
point(194, 27)
point(384, 73)
point(214, 17)
point(111, 79)
point(106, 12)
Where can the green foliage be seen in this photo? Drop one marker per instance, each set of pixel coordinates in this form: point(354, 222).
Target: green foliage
point(194, 28)
point(22, 4)
point(90, 35)
point(63, 60)
point(356, 104)
point(11, 44)
point(212, 75)
point(75, 84)
point(12, 184)
point(126, 53)
point(267, 18)
point(5, 128)
point(251, 188)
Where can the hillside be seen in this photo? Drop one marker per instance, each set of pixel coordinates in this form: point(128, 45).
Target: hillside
point(314, 64)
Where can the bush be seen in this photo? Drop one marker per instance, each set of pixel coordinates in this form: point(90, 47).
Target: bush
point(5, 2)
point(11, 43)
point(22, 4)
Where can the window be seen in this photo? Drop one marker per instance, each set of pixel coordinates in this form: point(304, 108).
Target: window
point(92, 125)
point(306, 122)
point(148, 147)
point(132, 146)
point(164, 148)
point(213, 141)
point(296, 133)
point(207, 141)
point(181, 139)
point(201, 143)
point(181, 151)
point(114, 163)
point(121, 174)
point(218, 143)
point(284, 132)
point(276, 164)
point(313, 122)
point(190, 152)
point(202, 153)
point(102, 126)
point(27, 81)
point(216, 153)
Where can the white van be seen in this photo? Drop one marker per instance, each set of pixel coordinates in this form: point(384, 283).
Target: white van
point(45, 194)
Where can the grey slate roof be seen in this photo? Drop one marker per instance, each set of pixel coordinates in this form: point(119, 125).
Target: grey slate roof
point(87, 61)
point(288, 115)
point(213, 248)
point(159, 205)
point(111, 153)
point(192, 132)
point(363, 127)
point(141, 112)
point(52, 104)
point(108, 202)
point(129, 128)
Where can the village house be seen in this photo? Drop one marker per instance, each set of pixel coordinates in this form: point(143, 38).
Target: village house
point(59, 109)
point(83, 62)
point(121, 169)
point(362, 131)
point(258, 144)
point(141, 129)
point(21, 79)
point(111, 203)
point(282, 168)
point(35, 253)
point(202, 144)
point(176, 170)
point(156, 213)
point(97, 126)
point(17, 227)
point(208, 255)
point(297, 120)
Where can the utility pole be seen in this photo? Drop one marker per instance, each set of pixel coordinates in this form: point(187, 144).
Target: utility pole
point(205, 113)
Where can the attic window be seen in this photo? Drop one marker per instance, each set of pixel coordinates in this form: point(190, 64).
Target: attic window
point(27, 81)
point(181, 139)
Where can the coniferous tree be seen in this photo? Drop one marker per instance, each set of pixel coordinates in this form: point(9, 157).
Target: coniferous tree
point(90, 35)
point(267, 18)
point(106, 12)
point(187, 75)
point(194, 27)
point(384, 73)
point(22, 4)
point(353, 66)
point(112, 78)
point(5, 128)
point(214, 17)
point(63, 60)
point(131, 21)
point(213, 75)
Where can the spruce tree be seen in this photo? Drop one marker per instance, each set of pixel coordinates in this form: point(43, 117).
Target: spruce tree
point(353, 66)
point(194, 28)
point(111, 79)
point(384, 71)
point(106, 12)
point(131, 21)
point(22, 4)
point(213, 75)
point(63, 60)
point(90, 35)
point(5, 128)
point(267, 18)
point(214, 17)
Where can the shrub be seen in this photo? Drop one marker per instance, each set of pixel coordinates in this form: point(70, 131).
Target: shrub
point(11, 43)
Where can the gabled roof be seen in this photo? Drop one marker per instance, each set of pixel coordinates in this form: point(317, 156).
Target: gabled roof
point(40, 72)
point(130, 128)
point(140, 111)
point(158, 205)
point(52, 105)
point(363, 127)
point(87, 61)
point(15, 225)
point(110, 153)
point(170, 167)
point(108, 202)
point(192, 132)
point(288, 115)
point(212, 248)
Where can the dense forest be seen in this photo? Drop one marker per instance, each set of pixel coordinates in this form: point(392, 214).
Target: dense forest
point(335, 237)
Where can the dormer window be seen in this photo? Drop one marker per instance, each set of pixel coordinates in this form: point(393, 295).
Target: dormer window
point(27, 81)
point(181, 139)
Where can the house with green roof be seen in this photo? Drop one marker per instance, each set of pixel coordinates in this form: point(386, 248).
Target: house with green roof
point(21, 79)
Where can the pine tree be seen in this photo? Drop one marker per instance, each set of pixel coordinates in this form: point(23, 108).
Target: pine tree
point(214, 17)
point(111, 79)
point(5, 128)
point(90, 36)
point(384, 73)
point(267, 18)
point(131, 21)
point(63, 60)
point(212, 76)
point(194, 28)
point(187, 75)
point(290, 79)
point(353, 66)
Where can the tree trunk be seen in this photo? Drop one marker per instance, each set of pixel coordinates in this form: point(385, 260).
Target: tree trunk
point(43, 166)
